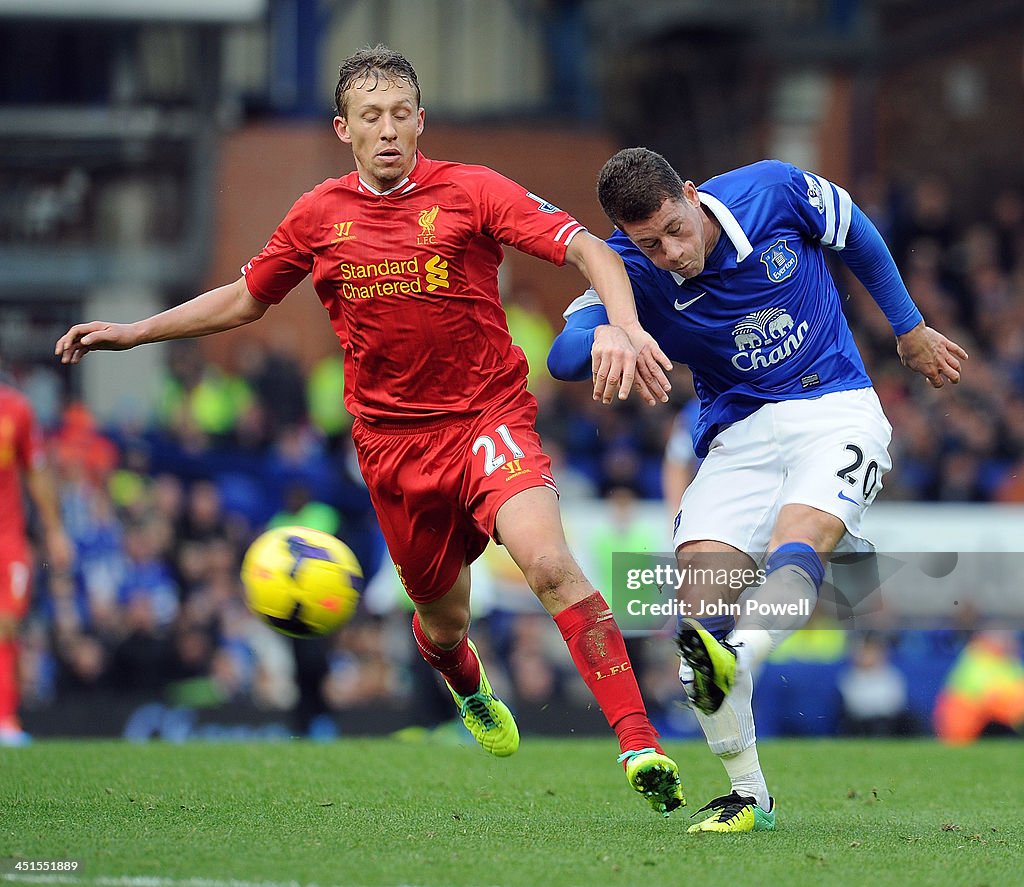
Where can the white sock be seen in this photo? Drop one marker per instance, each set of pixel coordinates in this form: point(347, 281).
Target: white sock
point(730, 735)
point(746, 777)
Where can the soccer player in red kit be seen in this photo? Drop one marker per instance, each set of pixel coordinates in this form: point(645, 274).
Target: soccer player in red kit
point(404, 254)
point(21, 459)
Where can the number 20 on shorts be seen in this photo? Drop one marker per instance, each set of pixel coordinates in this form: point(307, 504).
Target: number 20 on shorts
point(848, 472)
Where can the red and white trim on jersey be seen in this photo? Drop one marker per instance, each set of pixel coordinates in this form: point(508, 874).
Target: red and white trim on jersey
point(572, 227)
point(403, 187)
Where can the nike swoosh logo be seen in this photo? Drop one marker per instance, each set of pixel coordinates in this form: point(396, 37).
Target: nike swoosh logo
point(843, 495)
point(682, 306)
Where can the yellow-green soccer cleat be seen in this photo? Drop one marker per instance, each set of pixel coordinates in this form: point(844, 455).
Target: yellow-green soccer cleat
point(713, 663)
point(736, 813)
point(656, 777)
point(487, 717)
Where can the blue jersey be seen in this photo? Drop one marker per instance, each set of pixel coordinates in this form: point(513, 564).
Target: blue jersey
point(763, 322)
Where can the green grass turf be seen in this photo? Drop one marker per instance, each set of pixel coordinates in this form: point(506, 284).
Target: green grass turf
point(378, 812)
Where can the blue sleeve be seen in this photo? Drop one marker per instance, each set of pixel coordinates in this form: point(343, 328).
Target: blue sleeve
point(569, 358)
point(867, 256)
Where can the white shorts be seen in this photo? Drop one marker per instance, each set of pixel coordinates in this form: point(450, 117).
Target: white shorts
point(829, 452)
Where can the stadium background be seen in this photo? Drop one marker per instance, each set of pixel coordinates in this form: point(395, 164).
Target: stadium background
point(146, 155)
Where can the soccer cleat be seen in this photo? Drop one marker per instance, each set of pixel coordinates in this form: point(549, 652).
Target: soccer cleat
point(686, 679)
point(713, 663)
point(736, 813)
point(14, 737)
point(487, 717)
point(656, 777)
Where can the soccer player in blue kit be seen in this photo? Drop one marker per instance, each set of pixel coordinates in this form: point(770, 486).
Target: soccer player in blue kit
point(731, 279)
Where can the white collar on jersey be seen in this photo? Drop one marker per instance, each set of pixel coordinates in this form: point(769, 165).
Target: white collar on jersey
point(402, 187)
point(729, 225)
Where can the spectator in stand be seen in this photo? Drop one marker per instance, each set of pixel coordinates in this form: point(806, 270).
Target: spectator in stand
point(302, 510)
point(984, 692)
point(203, 519)
point(325, 394)
point(275, 377)
point(148, 599)
point(80, 449)
point(1008, 219)
point(531, 331)
point(874, 693)
point(201, 404)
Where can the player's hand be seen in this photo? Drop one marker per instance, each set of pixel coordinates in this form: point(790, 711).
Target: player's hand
point(613, 360)
point(97, 335)
point(619, 365)
point(928, 352)
point(651, 366)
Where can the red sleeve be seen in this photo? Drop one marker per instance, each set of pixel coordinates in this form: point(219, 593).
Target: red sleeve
point(285, 260)
point(516, 217)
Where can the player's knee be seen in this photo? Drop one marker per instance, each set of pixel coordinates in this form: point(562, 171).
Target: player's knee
point(550, 575)
point(691, 589)
point(446, 629)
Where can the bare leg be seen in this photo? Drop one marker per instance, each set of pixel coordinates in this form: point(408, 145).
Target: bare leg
point(530, 527)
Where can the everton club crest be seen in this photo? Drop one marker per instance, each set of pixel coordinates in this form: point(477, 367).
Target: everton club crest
point(779, 261)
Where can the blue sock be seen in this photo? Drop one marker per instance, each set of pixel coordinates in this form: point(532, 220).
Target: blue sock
point(799, 555)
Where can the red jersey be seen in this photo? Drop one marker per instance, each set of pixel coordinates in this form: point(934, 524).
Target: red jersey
point(410, 280)
point(21, 450)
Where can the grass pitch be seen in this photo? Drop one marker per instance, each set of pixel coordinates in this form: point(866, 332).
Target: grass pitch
point(364, 813)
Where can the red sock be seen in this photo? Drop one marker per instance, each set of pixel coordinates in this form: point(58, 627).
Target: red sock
point(461, 669)
point(599, 652)
point(9, 683)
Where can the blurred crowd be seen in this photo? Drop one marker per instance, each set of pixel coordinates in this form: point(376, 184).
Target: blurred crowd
point(967, 276)
point(161, 515)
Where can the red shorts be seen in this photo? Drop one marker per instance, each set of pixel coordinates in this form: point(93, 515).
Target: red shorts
point(437, 487)
point(15, 576)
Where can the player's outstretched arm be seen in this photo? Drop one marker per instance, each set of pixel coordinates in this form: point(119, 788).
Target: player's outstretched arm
point(570, 356)
point(922, 349)
point(928, 352)
point(643, 363)
point(223, 308)
point(587, 348)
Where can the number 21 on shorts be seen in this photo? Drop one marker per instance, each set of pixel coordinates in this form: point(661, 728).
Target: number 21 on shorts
point(493, 457)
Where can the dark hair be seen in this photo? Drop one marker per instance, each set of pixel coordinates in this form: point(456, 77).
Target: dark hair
point(371, 65)
point(634, 183)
